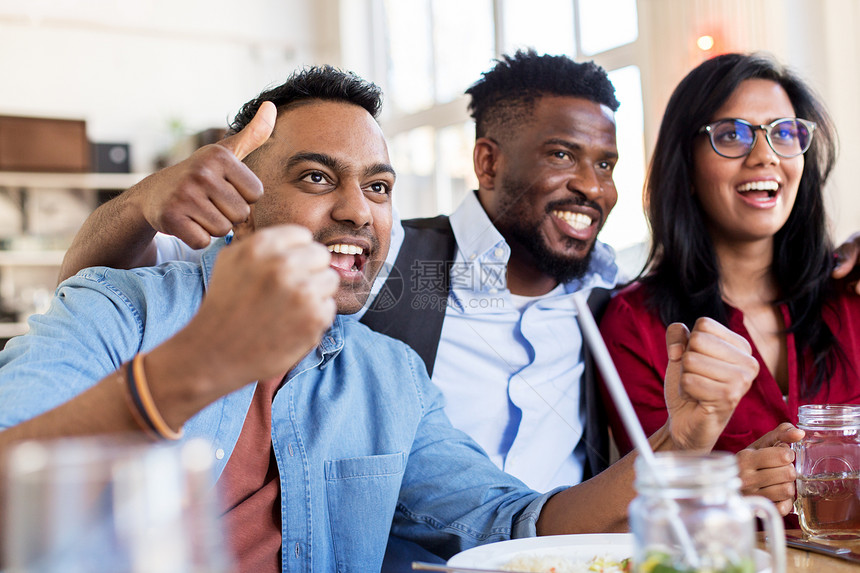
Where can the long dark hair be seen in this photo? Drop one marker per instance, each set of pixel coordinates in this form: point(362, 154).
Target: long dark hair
point(682, 277)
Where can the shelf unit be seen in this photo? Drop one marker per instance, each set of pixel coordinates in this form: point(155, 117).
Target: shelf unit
point(25, 259)
point(27, 183)
point(93, 181)
point(32, 258)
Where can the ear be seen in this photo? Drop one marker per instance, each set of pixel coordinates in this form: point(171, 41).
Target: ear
point(246, 227)
point(486, 156)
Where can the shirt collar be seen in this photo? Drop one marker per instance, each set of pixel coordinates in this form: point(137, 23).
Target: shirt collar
point(207, 261)
point(332, 341)
point(474, 232)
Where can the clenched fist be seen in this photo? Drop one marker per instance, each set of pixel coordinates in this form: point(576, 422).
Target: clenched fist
point(268, 303)
point(709, 371)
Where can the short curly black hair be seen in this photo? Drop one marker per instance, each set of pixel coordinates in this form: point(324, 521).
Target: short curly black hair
point(507, 93)
point(314, 82)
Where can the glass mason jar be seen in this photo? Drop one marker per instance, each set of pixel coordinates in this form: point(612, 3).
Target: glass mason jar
point(689, 516)
point(828, 471)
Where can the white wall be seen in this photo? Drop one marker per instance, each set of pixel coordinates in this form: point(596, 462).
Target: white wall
point(135, 70)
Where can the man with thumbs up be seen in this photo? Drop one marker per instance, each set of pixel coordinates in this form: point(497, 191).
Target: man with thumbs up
point(327, 437)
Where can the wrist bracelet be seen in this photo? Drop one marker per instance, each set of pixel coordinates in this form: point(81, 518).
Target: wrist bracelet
point(136, 412)
point(142, 398)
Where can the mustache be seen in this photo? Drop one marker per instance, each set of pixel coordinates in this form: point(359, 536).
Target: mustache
point(565, 204)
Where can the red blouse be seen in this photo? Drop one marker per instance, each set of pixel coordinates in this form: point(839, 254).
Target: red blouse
point(636, 339)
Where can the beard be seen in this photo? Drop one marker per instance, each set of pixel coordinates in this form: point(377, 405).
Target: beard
point(518, 222)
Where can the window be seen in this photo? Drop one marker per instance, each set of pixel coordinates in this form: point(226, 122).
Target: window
point(626, 227)
point(525, 25)
point(463, 44)
point(409, 55)
point(609, 24)
point(435, 49)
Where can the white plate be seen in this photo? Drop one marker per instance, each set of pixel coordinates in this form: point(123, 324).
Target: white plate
point(584, 547)
point(581, 547)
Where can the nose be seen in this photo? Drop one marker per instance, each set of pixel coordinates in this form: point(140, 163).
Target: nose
point(762, 153)
point(586, 182)
point(352, 206)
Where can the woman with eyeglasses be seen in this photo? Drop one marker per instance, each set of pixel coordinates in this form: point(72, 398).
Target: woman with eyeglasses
point(734, 197)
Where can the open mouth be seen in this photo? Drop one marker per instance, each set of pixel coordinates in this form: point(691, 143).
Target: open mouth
point(578, 221)
point(347, 257)
point(759, 190)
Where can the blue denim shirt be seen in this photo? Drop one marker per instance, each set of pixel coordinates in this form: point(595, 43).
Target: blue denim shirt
point(360, 437)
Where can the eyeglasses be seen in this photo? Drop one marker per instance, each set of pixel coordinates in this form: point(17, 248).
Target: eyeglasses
point(733, 138)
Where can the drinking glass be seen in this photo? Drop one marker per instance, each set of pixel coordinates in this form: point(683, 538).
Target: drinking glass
point(112, 505)
point(827, 461)
point(701, 492)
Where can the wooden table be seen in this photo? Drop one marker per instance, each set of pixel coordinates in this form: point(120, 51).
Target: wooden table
point(801, 561)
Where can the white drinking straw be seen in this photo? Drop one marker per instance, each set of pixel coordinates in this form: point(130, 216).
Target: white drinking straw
point(613, 381)
point(628, 415)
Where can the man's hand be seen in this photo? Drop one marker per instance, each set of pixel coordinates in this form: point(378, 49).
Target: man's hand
point(269, 301)
point(709, 371)
point(211, 191)
point(201, 197)
point(847, 255)
point(767, 467)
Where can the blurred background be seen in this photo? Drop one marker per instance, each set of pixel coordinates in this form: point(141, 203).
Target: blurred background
point(146, 82)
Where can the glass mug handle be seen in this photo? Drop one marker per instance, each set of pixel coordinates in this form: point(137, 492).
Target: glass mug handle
point(773, 527)
point(795, 447)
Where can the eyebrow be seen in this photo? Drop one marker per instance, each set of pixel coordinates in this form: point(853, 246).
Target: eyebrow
point(321, 158)
point(577, 147)
point(378, 168)
point(335, 164)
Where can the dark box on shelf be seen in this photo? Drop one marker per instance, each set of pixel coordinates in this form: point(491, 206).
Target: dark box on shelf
point(110, 158)
point(43, 144)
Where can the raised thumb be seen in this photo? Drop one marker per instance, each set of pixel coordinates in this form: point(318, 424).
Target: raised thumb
point(254, 134)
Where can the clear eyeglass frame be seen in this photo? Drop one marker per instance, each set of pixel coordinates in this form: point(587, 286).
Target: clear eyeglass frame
point(711, 128)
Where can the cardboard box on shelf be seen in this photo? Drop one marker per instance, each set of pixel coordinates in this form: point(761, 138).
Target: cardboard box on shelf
point(43, 144)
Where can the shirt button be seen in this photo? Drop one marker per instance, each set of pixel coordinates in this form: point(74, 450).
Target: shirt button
point(219, 454)
point(499, 252)
point(473, 256)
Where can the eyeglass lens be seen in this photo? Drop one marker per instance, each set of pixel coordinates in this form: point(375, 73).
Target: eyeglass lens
point(733, 138)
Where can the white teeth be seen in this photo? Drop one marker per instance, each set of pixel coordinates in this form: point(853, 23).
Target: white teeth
point(579, 221)
point(346, 249)
point(769, 185)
